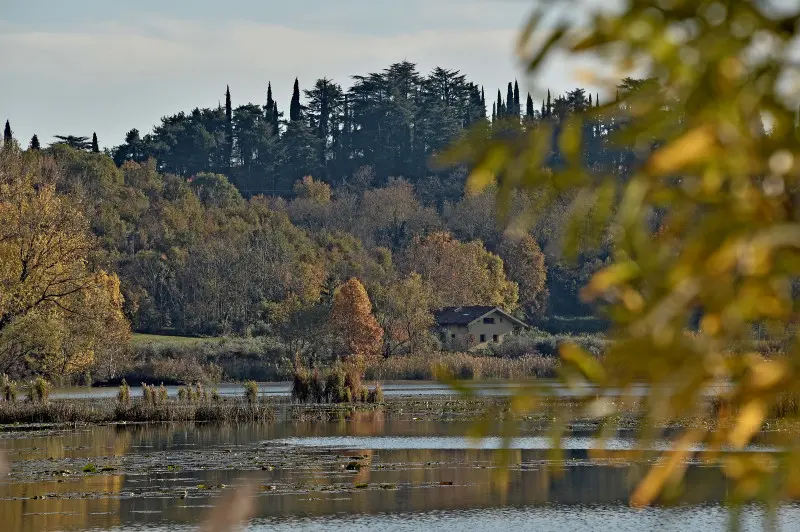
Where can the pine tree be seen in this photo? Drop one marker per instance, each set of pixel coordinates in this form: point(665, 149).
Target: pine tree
point(529, 106)
point(228, 129)
point(7, 135)
point(294, 108)
point(517, 106)
point(95, 144)
point(34, 145)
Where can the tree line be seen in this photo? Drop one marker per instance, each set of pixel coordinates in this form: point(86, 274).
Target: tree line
point(195, 252)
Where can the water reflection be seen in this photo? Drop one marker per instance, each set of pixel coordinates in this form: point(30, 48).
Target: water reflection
point(364, 472)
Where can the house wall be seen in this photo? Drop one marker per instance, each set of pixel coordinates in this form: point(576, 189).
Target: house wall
point(459, 336)
point(501, 327)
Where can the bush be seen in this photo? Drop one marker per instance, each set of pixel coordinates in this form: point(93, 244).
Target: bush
point(124, 393)
point(251, 392)
point(375, 394)
point(301, 382)
point(8, 388)
point(317, 386)
point(335, 384)
point(163, 395)
point(39, 391)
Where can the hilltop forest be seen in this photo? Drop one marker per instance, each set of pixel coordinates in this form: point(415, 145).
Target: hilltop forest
point(245, 220)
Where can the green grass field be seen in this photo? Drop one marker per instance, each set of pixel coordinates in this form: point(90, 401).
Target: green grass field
point(141, 339)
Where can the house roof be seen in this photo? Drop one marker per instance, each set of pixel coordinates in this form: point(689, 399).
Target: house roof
point(466, 315)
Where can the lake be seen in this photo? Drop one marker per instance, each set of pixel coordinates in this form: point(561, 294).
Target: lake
point(366, 472)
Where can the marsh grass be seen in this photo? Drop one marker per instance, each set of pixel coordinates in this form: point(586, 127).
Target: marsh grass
point(139, 410)
point(342, 384)
point(8, 388)
point(39, 391)
point(251, 392)
point(463, 366)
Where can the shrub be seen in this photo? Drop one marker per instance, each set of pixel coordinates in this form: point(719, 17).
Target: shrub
point(363, 394)
point(352, 381)
point(183, 395)
point(39, 391)
point(148, 395)
point(375, 394)
point(335, 384)
point(124, 393)
point(251, 392)
point(9, 389)
point(317, 386)
point(200, 393)
point(301, 382)
point(163, 395)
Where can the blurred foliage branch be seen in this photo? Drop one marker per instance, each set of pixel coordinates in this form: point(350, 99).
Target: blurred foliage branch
point(703, 223)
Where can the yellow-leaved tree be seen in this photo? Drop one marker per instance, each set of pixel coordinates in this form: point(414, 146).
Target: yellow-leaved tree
point(698, 195)
point(59, 314)
point(353, 323)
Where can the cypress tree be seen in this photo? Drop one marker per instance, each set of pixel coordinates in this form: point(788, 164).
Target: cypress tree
point(590, 102)
point(544, 110)
point(494, 112)
point(597, 100)
point(294, 108)
point(34, 145)
point(228, 128)
point(499, 104)
point(7, 135)
point(270, 103)
point(549, 105)
point(529, 107)
point(510, 100)
point(483, 99)
point(517, 106)
point(95, 145)
point(276, 116)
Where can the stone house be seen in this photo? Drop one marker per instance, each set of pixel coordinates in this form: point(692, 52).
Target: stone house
point(475, 327)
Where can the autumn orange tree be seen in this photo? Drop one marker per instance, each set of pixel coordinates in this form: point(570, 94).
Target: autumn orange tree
point(353, 323)
point(59, 314)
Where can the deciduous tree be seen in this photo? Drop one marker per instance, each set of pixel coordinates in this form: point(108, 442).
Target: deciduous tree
point(353, 322)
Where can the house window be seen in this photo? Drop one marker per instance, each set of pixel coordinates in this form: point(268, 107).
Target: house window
point(483, 338)
point(494, 338)
point(488, 320)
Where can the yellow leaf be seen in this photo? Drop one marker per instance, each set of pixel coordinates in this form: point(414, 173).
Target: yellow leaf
point(694, 146)
point(747, 423)
point(585, 362)
point(610, 276)
point(487, 169)
point(673, 465)
point(768, 373)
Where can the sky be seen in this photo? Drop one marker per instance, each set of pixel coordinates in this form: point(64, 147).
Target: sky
point(82, 66)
